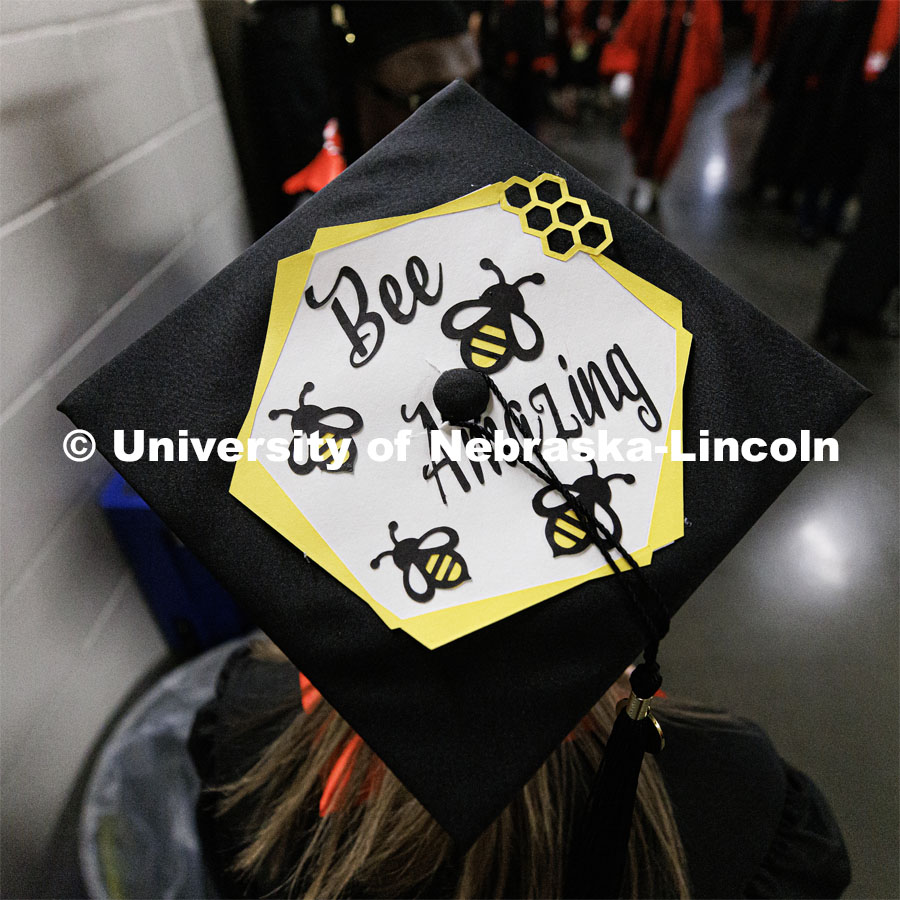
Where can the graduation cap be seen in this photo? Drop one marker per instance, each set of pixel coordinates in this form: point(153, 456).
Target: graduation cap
point(460, 279)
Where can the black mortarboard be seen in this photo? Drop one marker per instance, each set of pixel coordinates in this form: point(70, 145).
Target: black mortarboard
point(466, 724)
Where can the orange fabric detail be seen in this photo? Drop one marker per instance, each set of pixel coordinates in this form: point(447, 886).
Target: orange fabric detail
point(544, 63)
point(309, 695)
point(313, 177)
point(340, 767)
point(328, 163)
point(578, 29)
point(339, 777)
point(617, 58)
point(770, 21)
point(884, 38)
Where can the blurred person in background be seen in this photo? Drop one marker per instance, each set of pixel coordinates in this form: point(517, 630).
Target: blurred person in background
point(286, 89)
point(868, 270)
point(328, 81)
point(518, 58)
point(771, 19)
point(813, 148)
point(322, 83)
point(580, 31)
point(665, 54)
point(390, 57)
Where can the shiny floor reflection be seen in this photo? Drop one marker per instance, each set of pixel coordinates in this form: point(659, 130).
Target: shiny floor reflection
point(798, 627)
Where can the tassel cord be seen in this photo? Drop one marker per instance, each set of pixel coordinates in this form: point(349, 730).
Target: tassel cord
point(657, 625)
point(600, 849)
point(599, 853)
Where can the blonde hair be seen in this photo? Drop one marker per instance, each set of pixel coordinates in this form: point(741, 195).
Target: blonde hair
point(380, 841)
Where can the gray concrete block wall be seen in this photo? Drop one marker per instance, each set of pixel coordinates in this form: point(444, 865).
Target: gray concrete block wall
point(119, 196)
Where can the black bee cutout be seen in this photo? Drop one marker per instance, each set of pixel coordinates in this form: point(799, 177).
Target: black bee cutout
point(429, 562)
point(564, 531)
point(489, 341)
point(337, 423)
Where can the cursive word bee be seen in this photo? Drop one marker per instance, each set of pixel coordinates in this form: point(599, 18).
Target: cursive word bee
point(429, 562)
point(566, 533)
point(487, 325)
point(337, 424)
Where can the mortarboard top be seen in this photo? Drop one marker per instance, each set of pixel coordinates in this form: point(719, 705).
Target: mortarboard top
point(466, 724)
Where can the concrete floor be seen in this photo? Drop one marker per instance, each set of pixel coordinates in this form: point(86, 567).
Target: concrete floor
point(798, 628)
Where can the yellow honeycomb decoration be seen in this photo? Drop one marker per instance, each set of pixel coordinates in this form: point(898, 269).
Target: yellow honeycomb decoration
point(547, 210)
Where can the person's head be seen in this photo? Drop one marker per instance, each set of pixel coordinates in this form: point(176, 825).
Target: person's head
point(324, 814)
point(399, 55)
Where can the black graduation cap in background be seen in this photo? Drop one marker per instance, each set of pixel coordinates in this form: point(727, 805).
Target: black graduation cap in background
point(466, 724)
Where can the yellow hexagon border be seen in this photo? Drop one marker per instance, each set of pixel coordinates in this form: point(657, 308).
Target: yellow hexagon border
point(253, 486)
point(565, 197)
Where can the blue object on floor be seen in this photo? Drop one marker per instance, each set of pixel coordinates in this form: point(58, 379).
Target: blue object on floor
point(193, 611)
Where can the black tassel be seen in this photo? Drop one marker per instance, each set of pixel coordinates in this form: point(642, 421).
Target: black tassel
point(600, 842)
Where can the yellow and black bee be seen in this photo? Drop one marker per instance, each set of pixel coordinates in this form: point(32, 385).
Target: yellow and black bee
point(428, 563)
point(339, 422)
point(565, 531)
point(488, 339)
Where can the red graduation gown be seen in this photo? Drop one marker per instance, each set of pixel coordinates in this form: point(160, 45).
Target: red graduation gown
point(668, 78)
